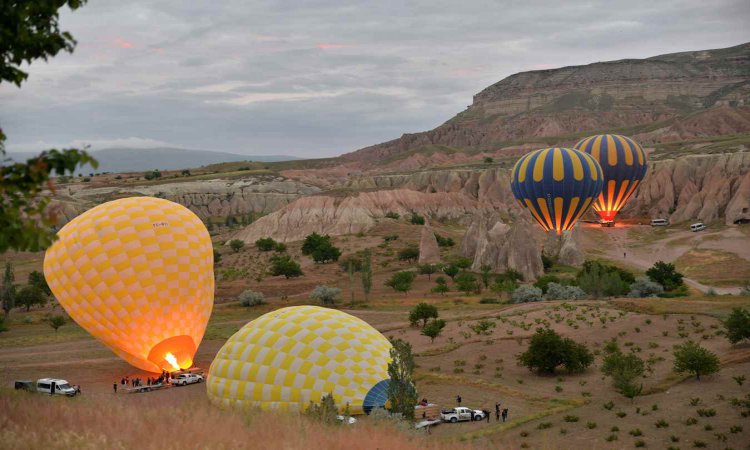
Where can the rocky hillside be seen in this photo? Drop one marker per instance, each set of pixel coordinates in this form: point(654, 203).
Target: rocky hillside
point(663, 92)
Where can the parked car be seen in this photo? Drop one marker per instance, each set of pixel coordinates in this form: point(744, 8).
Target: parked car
point(700, 226)
point(461, 414)
point(607, 223)
point(659, 222)
point(184, 379)
point(52, 386)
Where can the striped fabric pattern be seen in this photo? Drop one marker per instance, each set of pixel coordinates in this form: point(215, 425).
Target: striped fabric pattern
point(291, 356)
point(557, 185)
point(134, 273)
point(623, 163)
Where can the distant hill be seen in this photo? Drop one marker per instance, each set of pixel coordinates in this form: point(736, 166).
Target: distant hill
point(162, 158)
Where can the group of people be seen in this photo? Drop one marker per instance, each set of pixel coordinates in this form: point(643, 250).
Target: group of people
point(499, 412)
point(136, 382)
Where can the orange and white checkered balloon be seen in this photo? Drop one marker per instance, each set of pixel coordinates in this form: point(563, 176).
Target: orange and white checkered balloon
point(137, 273)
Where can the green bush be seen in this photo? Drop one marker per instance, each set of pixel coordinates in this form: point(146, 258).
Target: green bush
point(547, 350)
point(265, 244)
point(691, 357)
point(527, 293)
point(286, 266)
point(236, 244)
point(544, 281)
point(422, 312)
point(644, 287)
point(392, 215)
point(444, 241)
point(401, 281)
point(313, 241)
point(409, 253)
point(467, 283)
point(666, 275)
point(416, 219)
point(737, 325)
point(325, 253)
point(325, 294)
point(251, 298)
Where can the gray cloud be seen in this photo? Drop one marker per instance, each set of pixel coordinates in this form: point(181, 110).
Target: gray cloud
point(318, 78)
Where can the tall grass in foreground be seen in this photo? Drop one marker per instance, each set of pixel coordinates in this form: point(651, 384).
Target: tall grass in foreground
point(34, 421)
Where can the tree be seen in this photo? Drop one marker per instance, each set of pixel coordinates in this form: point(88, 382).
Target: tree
point(504, 285)
point(599, 279)
point(544, 281)
point(644, 287)
point(433, 329)
point(416, 219)
point(401, 281)
point(355, 261)
point(548, 350)
point(423, 312)
point(402, 392)
point(427, 269)
point(236, 244)
point(37, 279)
point(409, 253)
point(441, 286)
point(443, 241)
point(30, 296)
point(467, 283)
point(252, 298)
point(367, 273)
point(691, 357)
point(325, 253)
point(57, 321)
point(265, 244)
point(527, 293)
point(285, 265)
point(8, 292)
point(325, 412)
point(313, 241)
point(152, 175)
point(325, 294)
point(462, 262)
point(488, 160)
point(665, 274)
point(486, 271)
point(185, 172)
point(738, 325)
point(624, 370)
point(482, 327)
point(279, 247)
point(451, 270)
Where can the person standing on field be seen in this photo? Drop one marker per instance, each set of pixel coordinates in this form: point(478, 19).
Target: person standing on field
point(458, 400)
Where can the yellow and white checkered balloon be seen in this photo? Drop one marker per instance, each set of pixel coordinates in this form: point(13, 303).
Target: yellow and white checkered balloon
point(291, 356)
point(137, 273)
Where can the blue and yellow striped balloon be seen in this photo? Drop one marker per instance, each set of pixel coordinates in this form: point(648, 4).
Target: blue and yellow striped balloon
point(557, 185)
point(623, 163)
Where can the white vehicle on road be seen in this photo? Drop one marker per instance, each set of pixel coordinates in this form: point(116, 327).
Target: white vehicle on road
point(184, 379)
point(461, 414)
point(55, 386)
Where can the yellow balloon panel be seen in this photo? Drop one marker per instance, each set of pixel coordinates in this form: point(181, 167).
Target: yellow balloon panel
point(137, 273)
point(291, 356)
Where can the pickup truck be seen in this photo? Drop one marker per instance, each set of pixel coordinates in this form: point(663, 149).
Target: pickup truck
point(52, 386)
point(461, 414)
point(186, 378)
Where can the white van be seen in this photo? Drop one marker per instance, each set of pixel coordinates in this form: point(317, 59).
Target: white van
point(659, 222)
point(54, 386)
point(700, 226)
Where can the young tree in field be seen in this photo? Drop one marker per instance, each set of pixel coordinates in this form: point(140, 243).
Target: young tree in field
point(625, 370)
point(433, 329)
point(467, 283)
point(428, 269)
point(483, 327)
point(462, 262)
point(285, 265)
point(8, 292)
point(37, 279)
point(402, 392)
point(423, 312)
point(665, 274)
point(441, 286)
point(409, 253)
point(57, 321)
point(486, 271)
point(401, 281)
point(547, 350)
point(265, 244)
point(691, 357)
point(325, 294)
point(236, 244)
point(325, 253)
point(30, 296)
point(313, 242)
point(451, 270)
point(367, 273)
point(30, 32)
point(738, 325)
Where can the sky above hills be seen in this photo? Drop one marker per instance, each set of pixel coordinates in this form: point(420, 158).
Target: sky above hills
point(320, 78)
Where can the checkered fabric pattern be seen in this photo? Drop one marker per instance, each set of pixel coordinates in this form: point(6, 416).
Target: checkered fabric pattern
point(291, 356)
point(133, 272)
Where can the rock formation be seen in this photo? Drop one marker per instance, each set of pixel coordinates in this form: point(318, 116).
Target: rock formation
point(429, 251)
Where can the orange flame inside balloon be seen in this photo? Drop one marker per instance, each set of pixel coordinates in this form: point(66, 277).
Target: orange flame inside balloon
point(170, 358)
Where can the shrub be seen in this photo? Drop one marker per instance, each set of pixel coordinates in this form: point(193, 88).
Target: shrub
point(265, 244)
point(609, 405)
point(390, 237)
point(624, 369)
point(152, 175)
point(325, 253)
point(451, 270)
point(557, 291)
point(423, 312)
point(489, 301)
point(644, 287)
point(236, 244)
point(467, 283)
point(590, 425)
point(570, 418)
point(57, 321)
point(325, 294)
point(482, 327)
point(691, 357)
point(409, 253)
point(433, 329)
point(428, 269)
point(710, 412)
point(252, 298)
point(661, 423)
point(416, 219)
point(325, 412)
point(392, 215)
point(639, 443)
point(313, 241)
point(286, 266)
point(737, 325)
point(666, 275)
point(441, 286)
point(527, 293)
point(355, 261)
point(444, 241)
point(636, 432)
point(279, 247)
point(599, 279)
point(401, 281)
point(547, 350)
point(544, 281)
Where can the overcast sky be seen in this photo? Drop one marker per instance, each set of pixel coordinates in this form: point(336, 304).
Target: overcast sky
point(320, 78)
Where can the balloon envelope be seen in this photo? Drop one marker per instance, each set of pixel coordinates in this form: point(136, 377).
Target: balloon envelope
point(623, 163)
point(557, 185)
point(291, 356)
point(137, 273)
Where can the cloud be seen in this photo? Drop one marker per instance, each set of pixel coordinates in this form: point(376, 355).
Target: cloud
point(317, 78)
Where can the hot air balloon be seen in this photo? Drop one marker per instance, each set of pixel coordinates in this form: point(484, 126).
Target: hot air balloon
point(557, 185)
point(623, 163)
point(137, 273)
point(291, 356)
